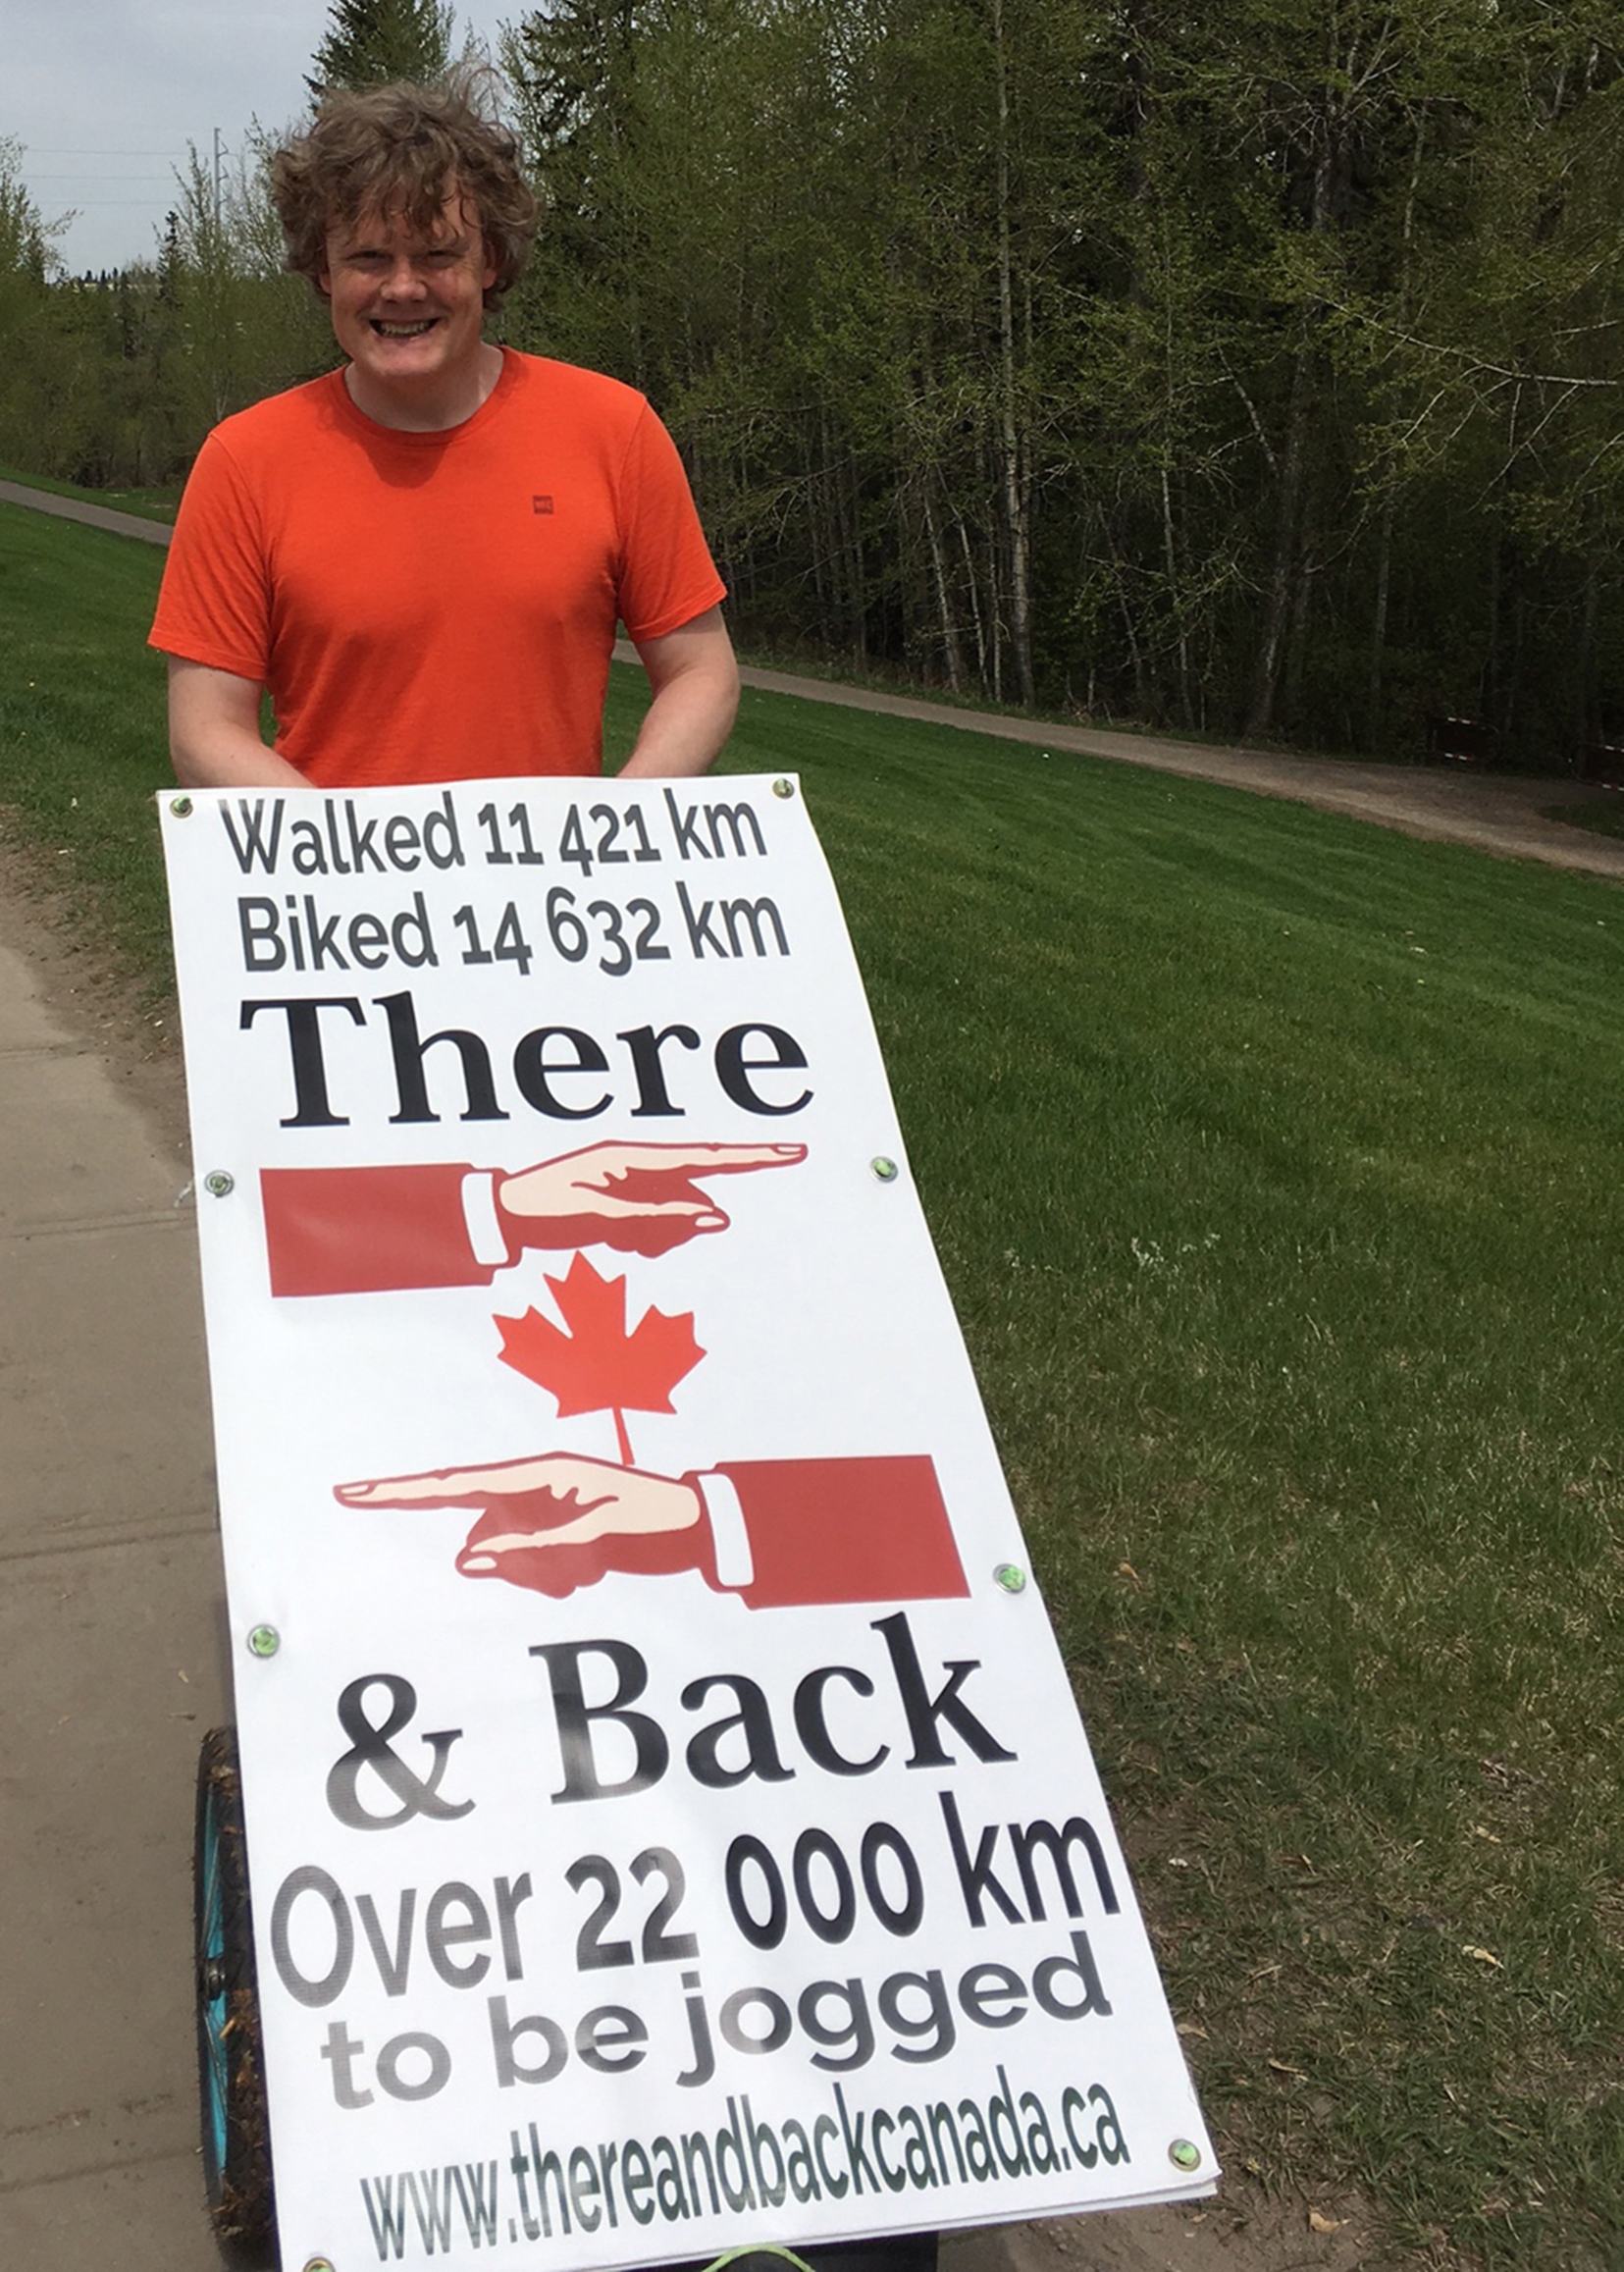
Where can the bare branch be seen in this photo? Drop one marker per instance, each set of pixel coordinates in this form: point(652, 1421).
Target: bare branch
point(1474, 362)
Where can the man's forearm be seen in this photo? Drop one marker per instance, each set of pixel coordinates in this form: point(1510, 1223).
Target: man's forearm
point(684, 727)
point(228, 756)
point(685, 724)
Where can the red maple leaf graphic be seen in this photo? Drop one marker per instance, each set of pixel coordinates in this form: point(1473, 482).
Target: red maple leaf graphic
point(597, 1365)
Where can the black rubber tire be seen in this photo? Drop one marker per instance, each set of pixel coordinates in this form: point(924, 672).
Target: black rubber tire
point(230, 2062)
point(897, 2253)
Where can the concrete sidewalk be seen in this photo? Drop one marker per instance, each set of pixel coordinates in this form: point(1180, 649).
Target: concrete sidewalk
point(110, 1668)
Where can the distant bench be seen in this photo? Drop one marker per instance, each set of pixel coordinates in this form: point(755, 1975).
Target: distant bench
point(1461, 741)
point(1603, 762)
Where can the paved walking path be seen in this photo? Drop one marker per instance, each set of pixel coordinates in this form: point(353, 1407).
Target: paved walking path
point(94, 516)
point(110, 1668)
point(1498, 812)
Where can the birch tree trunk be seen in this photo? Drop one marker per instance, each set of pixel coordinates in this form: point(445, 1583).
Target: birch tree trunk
point(1293, 459)
point(953, 655)
point(1017, 534)
point(1383, 551)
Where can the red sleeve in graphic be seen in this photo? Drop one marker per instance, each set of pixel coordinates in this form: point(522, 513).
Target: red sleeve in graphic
point(845, 1530)
point(367, 1229)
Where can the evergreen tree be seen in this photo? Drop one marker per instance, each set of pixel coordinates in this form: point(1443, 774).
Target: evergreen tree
point(368, 41)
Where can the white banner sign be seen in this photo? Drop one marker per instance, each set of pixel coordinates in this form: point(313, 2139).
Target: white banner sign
point(670, 1823)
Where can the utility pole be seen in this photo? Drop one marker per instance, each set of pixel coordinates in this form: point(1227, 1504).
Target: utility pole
point(218, 148)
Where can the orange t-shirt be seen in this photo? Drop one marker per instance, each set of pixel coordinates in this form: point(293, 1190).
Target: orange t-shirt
point(435, 606)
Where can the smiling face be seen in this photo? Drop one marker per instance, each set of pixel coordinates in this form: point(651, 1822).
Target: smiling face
point(407, 307)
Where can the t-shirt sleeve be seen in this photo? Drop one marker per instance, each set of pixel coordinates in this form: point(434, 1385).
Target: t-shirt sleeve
point(214, 605)
point(668, 576)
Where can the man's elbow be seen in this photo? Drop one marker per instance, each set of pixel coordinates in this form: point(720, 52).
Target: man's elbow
point(705, 693)
point(184, 763)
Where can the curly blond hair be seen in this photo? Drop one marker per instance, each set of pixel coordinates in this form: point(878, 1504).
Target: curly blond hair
point(402, 148)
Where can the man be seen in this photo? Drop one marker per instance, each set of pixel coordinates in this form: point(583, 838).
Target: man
point(423, 557)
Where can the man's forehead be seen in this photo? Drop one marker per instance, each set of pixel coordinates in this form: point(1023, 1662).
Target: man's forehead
point(392, 224)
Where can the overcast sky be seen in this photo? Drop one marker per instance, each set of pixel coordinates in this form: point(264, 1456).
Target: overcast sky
point(104, 96)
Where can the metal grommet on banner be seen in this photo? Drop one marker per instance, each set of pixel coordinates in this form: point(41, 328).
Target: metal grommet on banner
point(318, 2264)
point(885, 1170)
point(1010, 1578)
point(1185, 2154)
point(217, 1185)
point(264, 1641)
point(180, 807)
point(783, 788)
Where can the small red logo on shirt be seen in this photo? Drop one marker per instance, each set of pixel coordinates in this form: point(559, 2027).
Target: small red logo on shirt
point(541, 504)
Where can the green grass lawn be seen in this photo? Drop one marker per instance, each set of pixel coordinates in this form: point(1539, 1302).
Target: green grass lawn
point(1275, 1162)
point(1602, 819)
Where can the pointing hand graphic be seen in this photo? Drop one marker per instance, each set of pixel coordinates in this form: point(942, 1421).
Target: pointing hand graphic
point(643, 1198)
point(557, 1522)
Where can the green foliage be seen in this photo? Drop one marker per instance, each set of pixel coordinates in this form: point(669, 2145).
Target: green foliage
point(1273, 348)
point(1249, 371)
point(115, 380)
point(240, 328)
point(370, 40)
point(36, 344)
